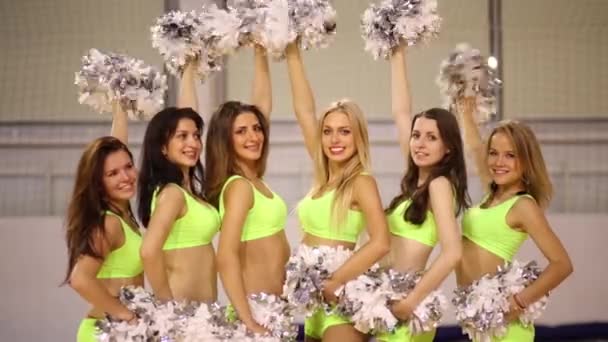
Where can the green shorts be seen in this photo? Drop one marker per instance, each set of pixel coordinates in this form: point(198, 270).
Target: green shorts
point(315, 325)
point(403, 334)
point(516, 332)
point(87, 331)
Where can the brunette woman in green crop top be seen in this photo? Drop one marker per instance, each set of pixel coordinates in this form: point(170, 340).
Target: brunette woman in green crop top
point(344, 195)
point(433, 192)
point(177, 253)
point(512, 171)
point(253, 248)
point(102, 235)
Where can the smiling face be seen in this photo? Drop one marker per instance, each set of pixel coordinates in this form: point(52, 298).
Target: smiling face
point(185, 145)
point(426, 145)
point(119, 177)
point(503, 162)
point(247, 137)
point(337, 137)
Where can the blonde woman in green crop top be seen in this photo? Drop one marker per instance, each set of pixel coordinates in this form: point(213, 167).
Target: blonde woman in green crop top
point(512, 171)
point(344, 199)
point(253, 248)
point(433, 192)
point(102, 235)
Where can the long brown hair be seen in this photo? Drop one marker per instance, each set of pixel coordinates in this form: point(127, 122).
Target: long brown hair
point(452, 166)
point(220, 158)
point(527, 149)
point(86, 210)
point(357, 164)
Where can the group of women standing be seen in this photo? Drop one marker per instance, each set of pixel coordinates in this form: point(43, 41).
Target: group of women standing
point(183, 206)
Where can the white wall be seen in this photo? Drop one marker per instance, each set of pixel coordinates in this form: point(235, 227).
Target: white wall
point(35, 308)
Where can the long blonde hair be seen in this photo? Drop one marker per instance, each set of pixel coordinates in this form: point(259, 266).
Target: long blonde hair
point(358, 163)
point(527, 149)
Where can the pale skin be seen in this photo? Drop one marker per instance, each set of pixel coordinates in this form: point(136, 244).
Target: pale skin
point(254, 266)
point(102, 294)
point(337, 133)
point(407, 254)
point(170, 273)
point(503, 166)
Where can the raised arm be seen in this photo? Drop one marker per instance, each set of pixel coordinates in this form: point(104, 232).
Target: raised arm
point(401, 104)
point(368, 200)
point(262, 85)
point(120, 123)
point(238, 199)
point(442, 205)
point(187, 97)
point(169, 207)
point(302, 97)
point(83, 278)
point(472, 139)
point(528, 216)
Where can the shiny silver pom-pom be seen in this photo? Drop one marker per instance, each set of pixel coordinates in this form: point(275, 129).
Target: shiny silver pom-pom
point(515, 278)
point(139, 89)
point(274, 313)
point(385, 25)
point(306, 270)
point(466, 73)
point(314, 22)
point(481, 308)
point(180, 38)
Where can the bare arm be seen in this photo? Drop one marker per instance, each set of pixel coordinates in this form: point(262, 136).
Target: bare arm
point(120, 123)
point(441, 199)
point(368, 199)
point(83, 278)
point(262, 86)
point(400, 98)
point(238, 199)
point(302, 97)
point(527, 215)
point(187, 97)
point(169, 207)
point(472, 140)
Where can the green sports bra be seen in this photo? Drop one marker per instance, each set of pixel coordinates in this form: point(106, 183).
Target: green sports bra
point(425, 233)
point(196, 228)
point(123, 262)
point(488, 228)
point(266, 217)
point(315, 219)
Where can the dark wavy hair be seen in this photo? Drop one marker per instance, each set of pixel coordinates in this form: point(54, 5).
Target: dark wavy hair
point(452, 166)
point(89, 202)
point(220, 157)
point(156, 170)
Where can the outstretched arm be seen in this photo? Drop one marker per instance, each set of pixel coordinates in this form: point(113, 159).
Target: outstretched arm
point(262, 84)
point(120, 123)
point(302, 97)
point(187, 97)
point(400, 98)
point(472, 139)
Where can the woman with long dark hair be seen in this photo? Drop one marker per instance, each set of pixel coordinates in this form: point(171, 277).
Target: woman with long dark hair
point(102, 234)
point(433, 193)
point(177, 253)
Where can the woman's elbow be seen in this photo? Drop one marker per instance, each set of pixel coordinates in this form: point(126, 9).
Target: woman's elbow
point(148, 253)
point(77, 281)
point(383, 246)
point(454, 255)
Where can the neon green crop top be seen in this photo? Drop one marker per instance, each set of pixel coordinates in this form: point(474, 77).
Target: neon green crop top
point(315, 219)
point(196, 228)
point(425, 233)
point(266, 217)
point(123, 262)
point(487, 228)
